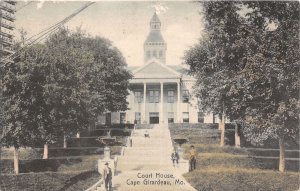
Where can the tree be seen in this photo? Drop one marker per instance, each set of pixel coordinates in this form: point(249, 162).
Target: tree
point(252, 65)
point(270, 78)
point(217, 58)
point(55, 88)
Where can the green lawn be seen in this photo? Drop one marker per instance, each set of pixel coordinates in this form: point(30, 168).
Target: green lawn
point(229, 168)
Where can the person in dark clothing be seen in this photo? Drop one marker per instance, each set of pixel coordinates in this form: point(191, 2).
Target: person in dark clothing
point(175, 158)
point(107, 176)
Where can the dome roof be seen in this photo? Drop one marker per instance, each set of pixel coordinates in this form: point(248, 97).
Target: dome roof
point(155, 36)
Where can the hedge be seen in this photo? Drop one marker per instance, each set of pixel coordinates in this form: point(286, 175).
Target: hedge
point(37, 165)
point(194, 125)
point(49, 181)
point(119, 126)
point(274, 153)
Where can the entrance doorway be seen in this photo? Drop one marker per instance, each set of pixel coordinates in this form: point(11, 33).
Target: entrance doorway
point(154, 117)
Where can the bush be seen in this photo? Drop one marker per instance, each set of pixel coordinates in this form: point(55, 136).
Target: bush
point(228, 179)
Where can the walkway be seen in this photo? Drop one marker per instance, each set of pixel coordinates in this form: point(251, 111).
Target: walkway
point(146, 166)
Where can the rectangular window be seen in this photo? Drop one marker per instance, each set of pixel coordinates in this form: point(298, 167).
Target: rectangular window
point(200, 117)
point(138, 97)
point(122, 118)
point(171, 97)
point(185, 96)
point(170, 117)
point(137, 118)
point(185, 117)
point(154, 96)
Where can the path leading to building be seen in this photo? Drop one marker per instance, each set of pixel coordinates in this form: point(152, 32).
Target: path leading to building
point(147, 166)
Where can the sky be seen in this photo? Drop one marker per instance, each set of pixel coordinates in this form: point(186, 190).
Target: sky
point(126, 24)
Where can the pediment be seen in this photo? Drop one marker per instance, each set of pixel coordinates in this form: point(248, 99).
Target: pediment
point(155, 70)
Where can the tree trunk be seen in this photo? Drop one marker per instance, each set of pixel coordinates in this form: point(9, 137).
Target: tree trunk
point(46, 151)
point(237, 138)
point(281, 154)
point(65, 142)
point(221, 121)
point(222, 128)
point(16, 160)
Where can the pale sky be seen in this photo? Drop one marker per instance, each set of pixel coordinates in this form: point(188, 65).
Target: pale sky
point(126, 24)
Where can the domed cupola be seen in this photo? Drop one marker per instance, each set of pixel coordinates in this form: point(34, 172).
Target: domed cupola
point(155, 45)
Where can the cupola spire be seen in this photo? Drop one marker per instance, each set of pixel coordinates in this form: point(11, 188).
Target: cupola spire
point(155, 45)
point(155, 23)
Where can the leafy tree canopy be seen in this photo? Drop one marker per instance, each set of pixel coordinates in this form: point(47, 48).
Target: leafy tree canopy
point(55, 88)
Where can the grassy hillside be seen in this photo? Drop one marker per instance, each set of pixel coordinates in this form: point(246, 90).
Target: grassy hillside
point(229, 168)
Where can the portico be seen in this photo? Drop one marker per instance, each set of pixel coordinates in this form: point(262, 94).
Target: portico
point(156, 96)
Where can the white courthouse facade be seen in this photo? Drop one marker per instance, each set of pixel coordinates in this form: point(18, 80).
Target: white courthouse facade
point(159, 93)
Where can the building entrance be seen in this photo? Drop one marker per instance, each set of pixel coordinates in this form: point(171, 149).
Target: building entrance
point(154, 117)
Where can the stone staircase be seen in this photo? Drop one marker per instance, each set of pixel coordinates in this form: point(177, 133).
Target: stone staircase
point(147, 166)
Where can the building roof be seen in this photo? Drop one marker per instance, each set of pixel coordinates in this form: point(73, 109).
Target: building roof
point(153, 71)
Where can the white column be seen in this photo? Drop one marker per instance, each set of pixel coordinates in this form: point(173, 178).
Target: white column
point(144, 107)
point(161, 102)
point(178, 103)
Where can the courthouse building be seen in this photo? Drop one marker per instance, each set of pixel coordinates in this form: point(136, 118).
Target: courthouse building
point(160, 92)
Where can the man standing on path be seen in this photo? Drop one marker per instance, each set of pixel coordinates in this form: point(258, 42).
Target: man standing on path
point(192, 158)
point(175, 158)
point(107, 176)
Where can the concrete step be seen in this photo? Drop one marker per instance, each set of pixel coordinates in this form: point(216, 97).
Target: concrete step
point(159, 162)
point(139, 167)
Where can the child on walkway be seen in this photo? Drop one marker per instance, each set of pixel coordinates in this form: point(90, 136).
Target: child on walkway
point(175, 158)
